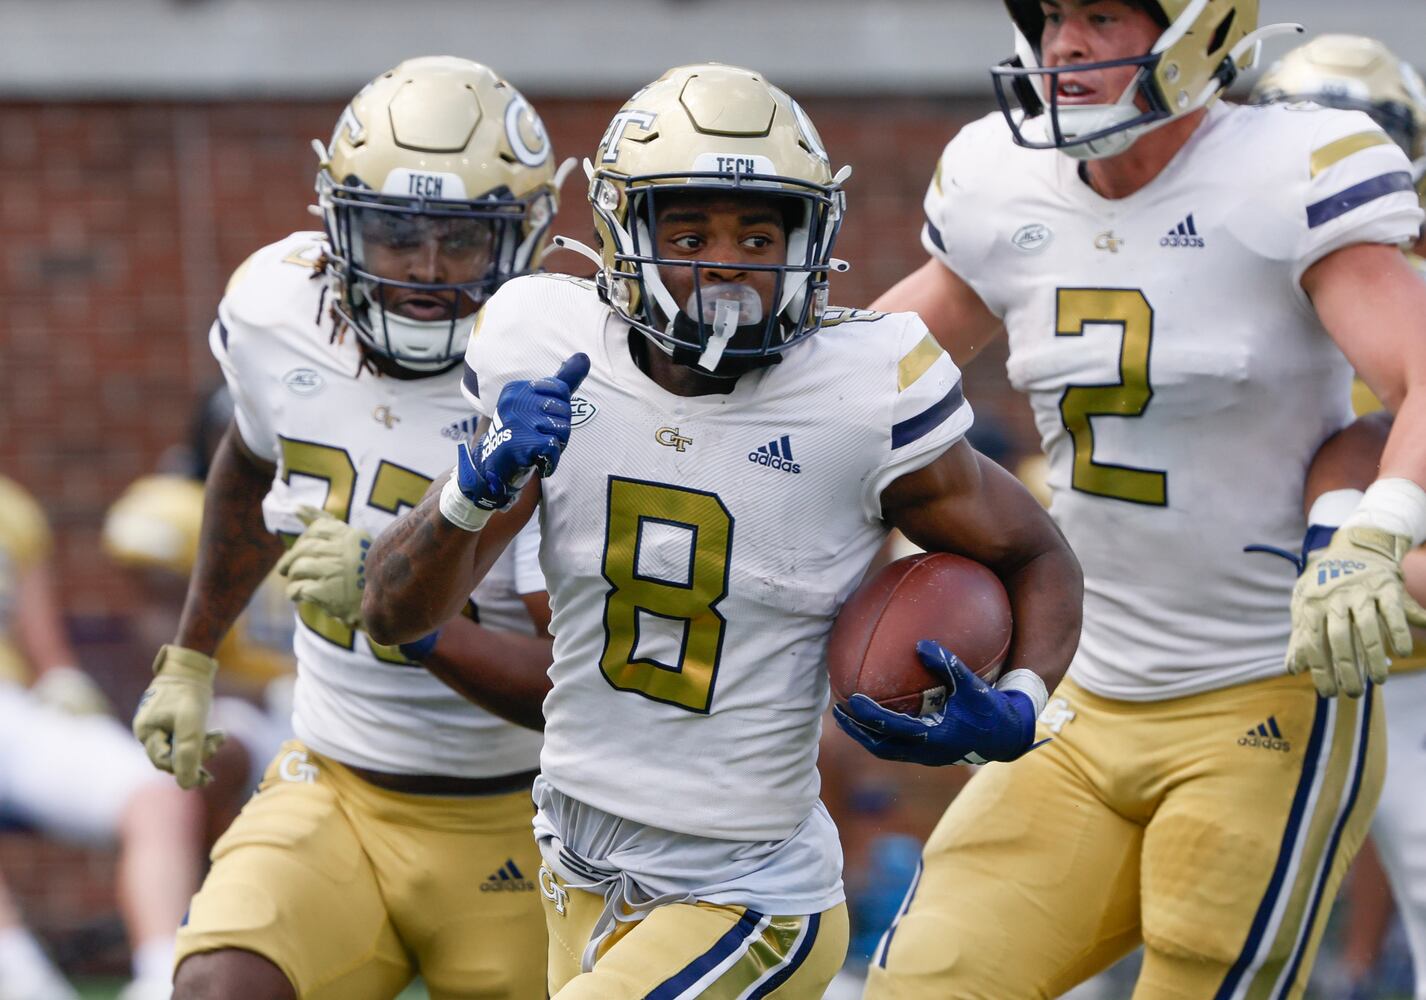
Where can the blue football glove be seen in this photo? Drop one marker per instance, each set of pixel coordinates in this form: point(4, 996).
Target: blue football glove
point(528, 432)
point(978, 723)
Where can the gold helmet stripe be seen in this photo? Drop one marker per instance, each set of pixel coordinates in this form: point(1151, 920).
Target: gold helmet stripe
point(1335, 152)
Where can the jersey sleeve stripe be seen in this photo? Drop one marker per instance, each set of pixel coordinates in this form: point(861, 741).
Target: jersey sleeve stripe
point(914, 428)
point(1335, 152)
point(917, 362)
point(470, 382)
point(223, 334)
point(1324, 211)
point(934, 235)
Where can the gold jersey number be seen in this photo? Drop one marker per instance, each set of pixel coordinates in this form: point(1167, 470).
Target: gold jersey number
point(1129, 397)
point(392, 489)
point(688, 601)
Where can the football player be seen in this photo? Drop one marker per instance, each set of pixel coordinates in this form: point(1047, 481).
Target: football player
point(69, 770)
point(1179, 281)
point(1349, 71)
point(393, 835)
point(740, 450)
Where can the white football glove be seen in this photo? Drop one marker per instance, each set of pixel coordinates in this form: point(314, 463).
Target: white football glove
point(1351, 612)
point(326, 566)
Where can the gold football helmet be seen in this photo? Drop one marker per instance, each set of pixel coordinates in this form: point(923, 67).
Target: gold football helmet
point(713, 128)
point(440, 152)
point(1357, 73)
point(1204, 45)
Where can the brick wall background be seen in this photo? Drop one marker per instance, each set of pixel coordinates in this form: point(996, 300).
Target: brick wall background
point(121, 222)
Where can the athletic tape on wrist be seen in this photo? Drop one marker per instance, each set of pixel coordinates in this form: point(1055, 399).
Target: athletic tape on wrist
point(1028, 683)
point(457, 508)
point(1333, 507)
point(1397, 506)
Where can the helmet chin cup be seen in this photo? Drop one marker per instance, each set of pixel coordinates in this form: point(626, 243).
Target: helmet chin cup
point(1103, 120)
point(418, 345)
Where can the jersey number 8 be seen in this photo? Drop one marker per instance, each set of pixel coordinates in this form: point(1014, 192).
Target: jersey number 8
point(679, 598)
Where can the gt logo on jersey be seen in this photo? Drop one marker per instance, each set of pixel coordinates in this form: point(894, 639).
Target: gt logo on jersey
point(669, 437)
point(1108, 241)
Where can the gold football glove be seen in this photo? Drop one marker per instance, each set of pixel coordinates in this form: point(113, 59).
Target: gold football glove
point(172, 718)
point(326, 566)
point(71, 691)
point(1351, 612)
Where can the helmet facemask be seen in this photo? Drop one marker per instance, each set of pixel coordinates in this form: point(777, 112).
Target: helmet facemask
point(1199, 52)
point(479, 244)
point(722, 328)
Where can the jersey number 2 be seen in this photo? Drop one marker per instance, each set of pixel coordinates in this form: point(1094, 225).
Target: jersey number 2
point(675, 601)
point(1128, 309)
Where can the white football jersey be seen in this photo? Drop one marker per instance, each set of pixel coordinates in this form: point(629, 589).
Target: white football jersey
point(1180, 379)
point(365, 447)
point(697, 548)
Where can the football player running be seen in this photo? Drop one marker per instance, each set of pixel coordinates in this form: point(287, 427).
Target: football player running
point(1179, 281)
point(693, 583)
point(393, 836)
point(1349, 71)
point(69, 770)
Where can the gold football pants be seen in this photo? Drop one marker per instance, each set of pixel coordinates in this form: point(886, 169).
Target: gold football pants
point(351, 890)
point(1214, 828)
point(686, 950)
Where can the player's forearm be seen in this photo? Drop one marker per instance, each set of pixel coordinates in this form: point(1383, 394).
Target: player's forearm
point(235, 550)
point(502, 672)
point(1046, 602)
point(1404, 456)
point(419, 573)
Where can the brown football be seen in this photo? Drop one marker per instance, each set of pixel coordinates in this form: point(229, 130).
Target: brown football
point(931, 595)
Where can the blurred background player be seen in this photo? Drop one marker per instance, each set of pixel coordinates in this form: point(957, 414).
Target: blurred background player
point(152, 530)
point(1160, 304)
point(1362, 74)
point(393, 835)
point(686, 850)
point(69, 770)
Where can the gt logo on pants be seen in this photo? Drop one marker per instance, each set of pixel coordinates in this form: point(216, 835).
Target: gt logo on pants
point(552, 890)
point(296, 767)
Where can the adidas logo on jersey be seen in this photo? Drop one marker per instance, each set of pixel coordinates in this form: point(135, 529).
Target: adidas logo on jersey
point(775, 455)
point(507, 878)
point(461, 430)
point(1267, 736)
point(1185, 234)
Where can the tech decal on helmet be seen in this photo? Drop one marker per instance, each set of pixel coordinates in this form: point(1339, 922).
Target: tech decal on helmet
point(438, 152)
point(1204, 46)
point(1357, 74)
point(723, 129)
